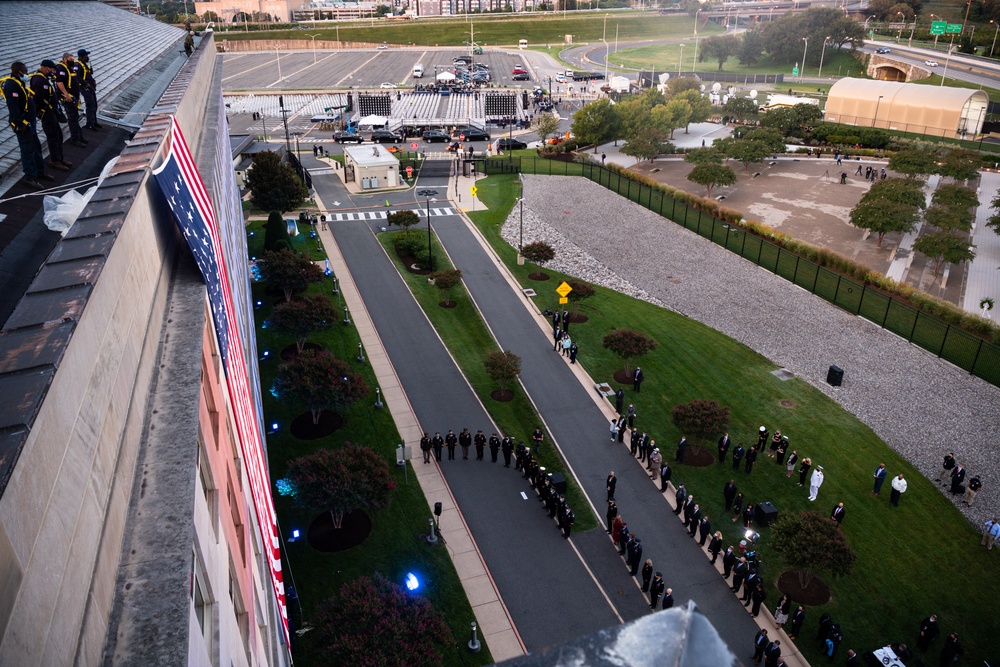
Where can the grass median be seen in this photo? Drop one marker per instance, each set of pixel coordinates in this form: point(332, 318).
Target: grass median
point(920, 558)
point(396, 544)
point(466, 336)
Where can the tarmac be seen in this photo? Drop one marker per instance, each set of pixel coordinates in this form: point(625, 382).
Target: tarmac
point(529, 587)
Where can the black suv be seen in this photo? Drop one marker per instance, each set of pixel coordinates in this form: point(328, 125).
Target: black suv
point(347, 138)
point(472, 134)
point(385, 136)
point(510, 144)
point(431, 136)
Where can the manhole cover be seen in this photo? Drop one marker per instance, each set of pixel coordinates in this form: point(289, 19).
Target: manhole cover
point(787, 404)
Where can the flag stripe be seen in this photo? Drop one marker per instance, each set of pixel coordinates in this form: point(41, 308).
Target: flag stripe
point(192, 207)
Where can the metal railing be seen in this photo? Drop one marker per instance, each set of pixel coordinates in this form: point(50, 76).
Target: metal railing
point(966, 350)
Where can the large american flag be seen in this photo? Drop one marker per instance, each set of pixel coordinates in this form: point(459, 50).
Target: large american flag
point(189, 201)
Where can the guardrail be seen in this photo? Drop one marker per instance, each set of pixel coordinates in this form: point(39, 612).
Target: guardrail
point(968, 351)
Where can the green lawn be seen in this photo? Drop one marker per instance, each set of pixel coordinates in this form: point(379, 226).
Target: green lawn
point(920, 558)
point(538, 29)
point(396, 545)
point(467, 338)
point(668, 57)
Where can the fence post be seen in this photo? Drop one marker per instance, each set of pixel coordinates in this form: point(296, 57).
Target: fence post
point(760, 251)
point(979, 349)
point(795, 273)
point(944, 340)
point(913, 329)
point(836, 292)
point(661, 205)
point(864, 288)
point(885, 316)
point(673, 209)
point(686, 209)
point(816, 279)
point(743, 247)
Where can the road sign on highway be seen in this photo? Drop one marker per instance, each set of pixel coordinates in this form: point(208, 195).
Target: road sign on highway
point(795, 71)
point(954, 28)
point(937, 27)
point(564, 289)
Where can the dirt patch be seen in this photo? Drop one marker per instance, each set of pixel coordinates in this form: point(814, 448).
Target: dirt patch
point(538, 276)
point(410, 262)
point(578, 318)
point(504, 396)
point(304, 429)
point(816, 593)
point(697, 456)
point(621, 377)
point(447, 304)
point(292, 350)
point(787, 404)
point(354, 529)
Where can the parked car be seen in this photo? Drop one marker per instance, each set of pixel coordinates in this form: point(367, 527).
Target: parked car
point(385, 136)
point(394, 149)
point(348, 138)
point(386, 84)
point(560, 78)
point(523, 76)
point(881, 49)
point(518, 70)
point(382, 47)
point(472, 134)
point(430, 136)
point(510, 144)
point(931, 63)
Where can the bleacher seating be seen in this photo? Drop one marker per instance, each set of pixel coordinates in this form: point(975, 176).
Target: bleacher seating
point(31, 36)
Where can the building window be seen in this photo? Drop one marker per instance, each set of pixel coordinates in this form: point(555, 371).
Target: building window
point(202, 600)
point(208, 488)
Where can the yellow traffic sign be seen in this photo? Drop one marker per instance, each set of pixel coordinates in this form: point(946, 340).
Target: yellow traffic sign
point(474, 190)
point(563, 290)
point(563, 299)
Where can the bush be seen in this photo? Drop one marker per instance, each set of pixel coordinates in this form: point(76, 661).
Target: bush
point(410, 243)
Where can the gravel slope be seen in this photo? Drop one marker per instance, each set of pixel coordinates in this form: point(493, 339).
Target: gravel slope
point(921, 406)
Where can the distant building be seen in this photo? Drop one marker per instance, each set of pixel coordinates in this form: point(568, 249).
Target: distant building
point(232, 11)
point(940, 111)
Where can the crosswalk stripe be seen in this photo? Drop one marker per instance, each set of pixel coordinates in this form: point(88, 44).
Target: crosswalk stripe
point(381, 215)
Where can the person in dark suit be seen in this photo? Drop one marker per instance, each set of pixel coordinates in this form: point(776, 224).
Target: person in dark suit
point(738, 456)
point(951, 650)
point(480, 441)
point(760, 643)
point(655, 590)
point(704, 530)
point(665, 474)
point(729, 493)
point(689, 506)
point(739, 574)
point(749, 586)
point(465, 440)
point(425, 447)
point(879, 475)
point(748, 515)
point(668, 598)
point(928, 632)
point(494, 447)
point(772, 653)
point(611, 484)
point(853, 659)
point(798, 618)
point(724, 443)
point(438, 443)
point(728, 561)
point(636, 556)
point(611, 514)
point(681, 448)
point(637, 378)
point(647, 575)
point(715, 546)
point(508, 448)
point(619, 400)
point(634, 442)
point(557, 338)
point(751, 458)
point(958, 479)
point(757, 597)
point(838, 514)
point(451, 441)
point(621, 429)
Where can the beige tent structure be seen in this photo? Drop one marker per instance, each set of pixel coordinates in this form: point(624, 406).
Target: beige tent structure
point(908, 107)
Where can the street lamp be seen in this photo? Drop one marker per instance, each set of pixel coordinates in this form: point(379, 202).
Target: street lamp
point(313, 38)
point(605, 27)
point(681, 61)
point(869, 19)
point(429, 195)
point(935, 36)
point(606, 54)
point(822, 54)
point(877, 103)
point(694, 64)
point(900, 33)
point(994, 36)
point(802, 72)
point(277, 54)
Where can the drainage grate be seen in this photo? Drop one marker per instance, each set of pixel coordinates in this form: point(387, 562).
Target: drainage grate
point(783, 374)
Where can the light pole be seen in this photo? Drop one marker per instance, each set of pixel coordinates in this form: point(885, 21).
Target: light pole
point(277, 55)
point(694, 64)
point(338, 36)
point(822, 55)
point(935, 36)
point(947, 58)
point(913, 26)
point(605, 27)
point(520, 242)
point(429, 194)
point(606, 54)
point(681, 61)
point(802, 72)
point(869, 19)
point(994, 36)
point(877, 102)
point(900, 33)
point(313, 38)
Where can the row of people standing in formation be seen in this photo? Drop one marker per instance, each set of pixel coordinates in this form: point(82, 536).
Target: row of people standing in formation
point(466, 440)
point(53, 94)
point(630, 548)
point(560, 333)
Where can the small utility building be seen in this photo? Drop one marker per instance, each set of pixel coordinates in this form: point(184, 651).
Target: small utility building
point(371, 166)
point(941, 111)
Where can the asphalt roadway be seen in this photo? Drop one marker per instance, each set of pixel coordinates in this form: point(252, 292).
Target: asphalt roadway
point(554, 589)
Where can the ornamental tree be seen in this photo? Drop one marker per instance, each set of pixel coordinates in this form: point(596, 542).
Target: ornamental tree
point(581, 292)
point(811, 543)
point(741, 108)
point(945, 246)
point(720, 48)
point(288, 271)
point(711, 175)
point(276, 232)
point(545, 124)
point(341, 481)
point(702, 420)
point(961, 164)
point(318, 380)
point(373, 622)
point(403, 219)
point(913, 162)
point(707, 155)
point(595, 123)
point(646, 144)
point(628, 345)
point(273, 184)
point(300, 317)
point(446, 281)
point(891, 205)
point(539, 253)
point(503, 367)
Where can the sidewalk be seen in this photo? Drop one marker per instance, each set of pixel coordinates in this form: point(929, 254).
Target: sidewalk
point(492, 617)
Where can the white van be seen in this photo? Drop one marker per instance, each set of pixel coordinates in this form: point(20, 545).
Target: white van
point(418, 70)
point(522, 44)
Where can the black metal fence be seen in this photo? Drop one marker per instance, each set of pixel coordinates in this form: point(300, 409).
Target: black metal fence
point(967, 351)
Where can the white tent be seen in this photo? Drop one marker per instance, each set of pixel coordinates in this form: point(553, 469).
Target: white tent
point(446, 76)
point(372, 122)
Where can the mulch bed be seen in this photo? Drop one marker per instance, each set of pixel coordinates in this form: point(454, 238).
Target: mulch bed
point(578, 318)
point(447, 304)
point(354, 529)
point(815, 594)
point(504, 396)
point(304, 429)
point(292, 350)
point(411, 265)
point(621, 377)
point(538, 276)
point(697, 456)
